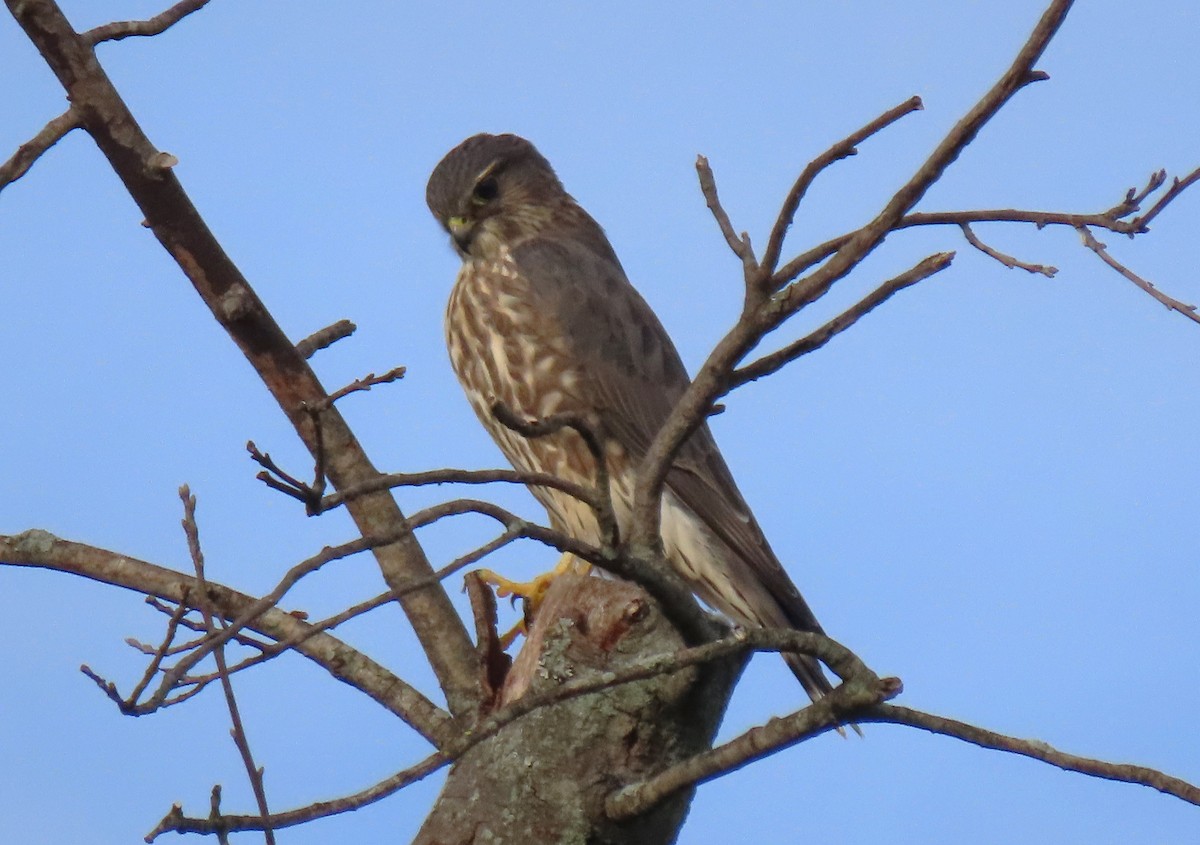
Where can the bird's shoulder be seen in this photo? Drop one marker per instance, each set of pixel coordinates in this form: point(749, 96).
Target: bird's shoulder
point(579, 282)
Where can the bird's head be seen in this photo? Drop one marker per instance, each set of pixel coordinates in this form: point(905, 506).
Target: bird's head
point(493, 190)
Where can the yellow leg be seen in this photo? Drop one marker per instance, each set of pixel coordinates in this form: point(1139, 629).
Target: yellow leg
point(531, 592)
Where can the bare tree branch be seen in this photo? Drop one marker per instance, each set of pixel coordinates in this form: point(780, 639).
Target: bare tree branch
point(1007, 260)
point(29, 152)
point(1171, 303)
point(42, 549)
point(177, 224)
point(823, 715)
point(324, 338)
point(254, 773)
point(1035, 749)
point(739, 244)
point(844, 148)
point(844, 663)
point(176, 822)
point(152, 26)
point(712, 379)
point(1178, 186)
point(361, 384)
point(457, 476)
point(773, 362)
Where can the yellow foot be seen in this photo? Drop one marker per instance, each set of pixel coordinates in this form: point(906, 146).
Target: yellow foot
point(533, 592)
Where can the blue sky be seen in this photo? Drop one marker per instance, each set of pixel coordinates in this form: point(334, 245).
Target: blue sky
point(988, 487)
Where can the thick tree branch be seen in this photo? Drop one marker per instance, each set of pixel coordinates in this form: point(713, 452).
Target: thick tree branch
point(42, 549)
point(175, 221)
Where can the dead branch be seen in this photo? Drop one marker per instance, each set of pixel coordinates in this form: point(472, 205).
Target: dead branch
point(713, 378)
point(1171, 303)
point(254, 773)
point(178, 226)
point(42, 549)
point(29, 152)
point(844, 148)
point(362, 384)
point(176, 822)
point(1035, 749)
point(739, 245)
point(324, 338)
point(457, 476)
point(1005, 259)
point(151, 26)
point(773, 362)
point(758, 742)
point(1178, 186)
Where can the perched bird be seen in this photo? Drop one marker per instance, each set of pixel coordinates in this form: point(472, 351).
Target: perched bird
point(543, 319)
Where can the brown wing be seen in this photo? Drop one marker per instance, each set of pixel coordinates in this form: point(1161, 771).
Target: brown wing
point(635, 378)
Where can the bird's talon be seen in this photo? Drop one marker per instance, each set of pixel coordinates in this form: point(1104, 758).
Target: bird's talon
point(531, 592)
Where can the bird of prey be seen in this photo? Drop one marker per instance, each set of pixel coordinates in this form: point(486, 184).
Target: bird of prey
point(543, 319)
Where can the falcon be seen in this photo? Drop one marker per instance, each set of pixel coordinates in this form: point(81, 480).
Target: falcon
point(543, 319)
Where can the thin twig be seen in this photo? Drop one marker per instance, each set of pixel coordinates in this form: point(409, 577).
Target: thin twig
point(29, 152)
point(306, 567)
point(1171, 303)
point(458, 476)
point(1007, 260)
point(162, 651)
point(595, 438)
point(161, 22)
point(844, 148)
point(1036, 749)
point(708, 187)
point(771, 363)
point(238, 731)
point(822, 715)
point(168, 608)
point(42, 549)
point(176, 822)
point(361, 384)
point(1178, 186)
point(1018, 75)
point(1132, 201)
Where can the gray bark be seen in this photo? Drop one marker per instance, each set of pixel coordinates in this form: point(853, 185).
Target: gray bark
point(544, 778)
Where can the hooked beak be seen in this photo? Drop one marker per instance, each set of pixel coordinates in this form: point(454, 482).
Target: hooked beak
point(461, 231)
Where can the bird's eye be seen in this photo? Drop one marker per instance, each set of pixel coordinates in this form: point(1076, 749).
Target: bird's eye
point(485, 191)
